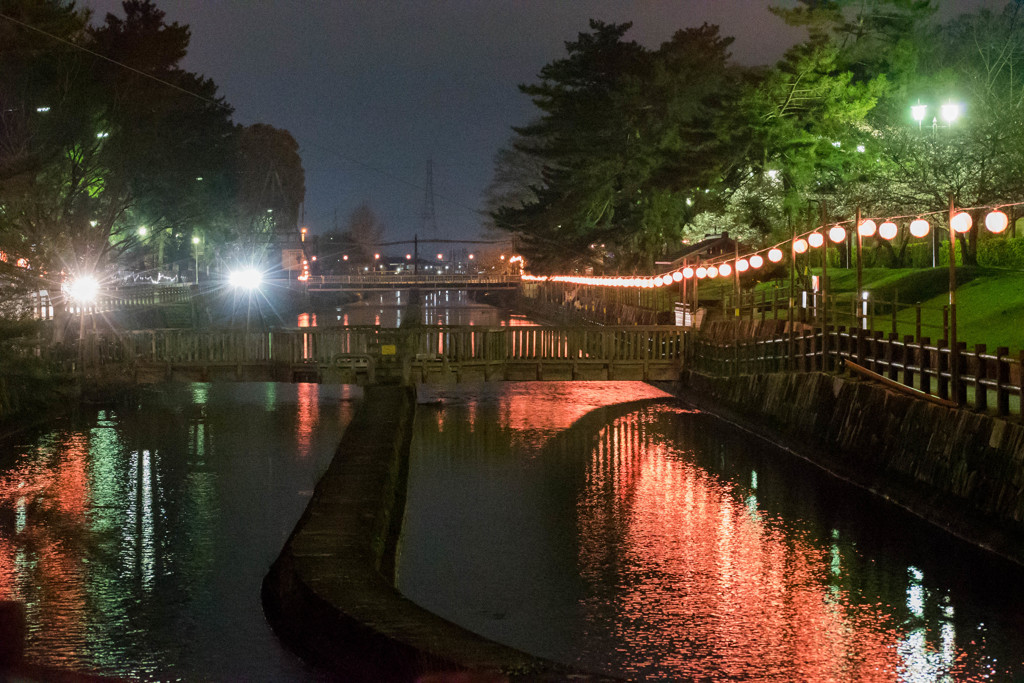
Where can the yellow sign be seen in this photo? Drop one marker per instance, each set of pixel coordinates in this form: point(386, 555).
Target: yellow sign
point(387, 349)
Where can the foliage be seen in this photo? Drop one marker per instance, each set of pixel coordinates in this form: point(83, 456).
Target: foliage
point(625, 136)
point(637, 149)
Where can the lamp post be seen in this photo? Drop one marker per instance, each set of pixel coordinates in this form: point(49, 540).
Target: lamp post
point(195, 247)
point(954, 351)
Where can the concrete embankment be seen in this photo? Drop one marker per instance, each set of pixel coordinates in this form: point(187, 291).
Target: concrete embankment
point(961, 470)
point(331, 596)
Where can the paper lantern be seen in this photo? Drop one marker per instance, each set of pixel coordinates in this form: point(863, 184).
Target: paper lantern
point(919, 227)
point(887, 230)
point(996, 221)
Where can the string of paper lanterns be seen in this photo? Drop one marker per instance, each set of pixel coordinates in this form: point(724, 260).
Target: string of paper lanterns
point(996, 221)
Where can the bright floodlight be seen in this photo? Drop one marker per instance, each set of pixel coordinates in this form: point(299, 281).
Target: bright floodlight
point(918, 111)
point(84, 289)
point(249, 278)
point(950, 112)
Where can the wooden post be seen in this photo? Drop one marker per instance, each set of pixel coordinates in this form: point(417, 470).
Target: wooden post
point(926, 364)
point(980, 389)
point(942, 355)
point(890, 357)
point(909, 358)
point(1002, 380)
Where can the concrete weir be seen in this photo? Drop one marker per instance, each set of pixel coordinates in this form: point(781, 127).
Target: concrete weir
point(956, 468)
point(330, 594)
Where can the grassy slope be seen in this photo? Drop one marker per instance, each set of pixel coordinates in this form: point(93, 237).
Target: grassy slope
point(990, 301)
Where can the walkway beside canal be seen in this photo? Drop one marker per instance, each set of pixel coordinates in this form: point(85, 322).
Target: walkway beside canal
point(331, 596)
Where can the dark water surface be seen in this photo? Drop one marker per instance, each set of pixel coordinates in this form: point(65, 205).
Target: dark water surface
point(659, 543)
point(138, 536)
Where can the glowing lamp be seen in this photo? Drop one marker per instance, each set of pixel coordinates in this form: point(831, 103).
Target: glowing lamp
point(688, 272)
point(917, 111)
point(950, 112)
point(702, 272)
point(84, 289)
point(712, 271)
point(996, 221)
point(677, 276)
point(867, 228)
point(658, 282)
point(774, 255)
point(742, 266)
point(919, 227)
point(344, 257)
point(249, 279)
point(887, 230)
point(837, 233)
point(815, 239)
point(666, 279)
point(961, 222)
point(725, 270)
point(799, 246)
point(756, 261)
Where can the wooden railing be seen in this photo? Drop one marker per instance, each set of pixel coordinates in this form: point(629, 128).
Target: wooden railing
point(986, 381)
point(453, 343)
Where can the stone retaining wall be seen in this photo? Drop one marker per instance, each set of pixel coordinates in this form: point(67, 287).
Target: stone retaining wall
point(961, 470)
point(330, 595)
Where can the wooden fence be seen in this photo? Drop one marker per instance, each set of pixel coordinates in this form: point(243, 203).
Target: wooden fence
point(976, 378)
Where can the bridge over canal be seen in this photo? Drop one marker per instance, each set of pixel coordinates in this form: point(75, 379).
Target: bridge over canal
point(367, 355)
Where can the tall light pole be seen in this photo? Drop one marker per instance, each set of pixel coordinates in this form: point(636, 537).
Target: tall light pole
point(195, 247)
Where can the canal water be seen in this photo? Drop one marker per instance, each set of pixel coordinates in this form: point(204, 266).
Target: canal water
point(656, 542)
point(138, 536)
point(393, 309)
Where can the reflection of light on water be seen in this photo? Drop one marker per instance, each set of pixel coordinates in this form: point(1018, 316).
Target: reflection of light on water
point(307, 416)
point(703, 583)
point(20, 515)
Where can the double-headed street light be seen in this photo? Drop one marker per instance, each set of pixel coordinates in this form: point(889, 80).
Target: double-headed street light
point(948, 112)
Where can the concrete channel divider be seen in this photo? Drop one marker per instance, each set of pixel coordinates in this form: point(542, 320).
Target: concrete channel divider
point(330, 595)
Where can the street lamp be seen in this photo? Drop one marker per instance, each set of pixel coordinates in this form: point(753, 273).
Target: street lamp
point(195, 247)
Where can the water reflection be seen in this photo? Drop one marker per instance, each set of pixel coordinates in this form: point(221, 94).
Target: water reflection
point(388, 309)
point(661, 544)
point(137, 537)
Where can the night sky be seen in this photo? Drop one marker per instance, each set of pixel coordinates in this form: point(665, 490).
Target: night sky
point(372, 90)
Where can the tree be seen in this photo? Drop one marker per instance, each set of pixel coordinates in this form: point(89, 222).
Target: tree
point(363, 234)
point(271, 182)
point(626, 136)
point(117, 143)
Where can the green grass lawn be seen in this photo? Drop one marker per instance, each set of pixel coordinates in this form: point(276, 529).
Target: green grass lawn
point(990, 301)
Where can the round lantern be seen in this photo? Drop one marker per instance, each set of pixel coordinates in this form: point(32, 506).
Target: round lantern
point(996, 221)
point(837, 233)
point(799, 246)
point(887, 230)
point(815, 239)
point(961, 222)
point(866, 228)
point(919, 227)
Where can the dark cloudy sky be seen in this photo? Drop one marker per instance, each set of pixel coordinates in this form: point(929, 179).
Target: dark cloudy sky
point(372, 89)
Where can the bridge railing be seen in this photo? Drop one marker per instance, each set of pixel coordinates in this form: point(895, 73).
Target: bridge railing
point(450, 343)
point(403, 280)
